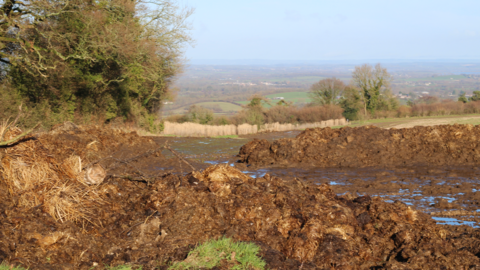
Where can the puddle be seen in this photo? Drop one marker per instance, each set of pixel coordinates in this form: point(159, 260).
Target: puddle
point(333, 183)
point(217, 162)
point(256, 174)
point(454, 221)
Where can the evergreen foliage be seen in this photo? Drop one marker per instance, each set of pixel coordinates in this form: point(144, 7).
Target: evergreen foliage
point(108, 58)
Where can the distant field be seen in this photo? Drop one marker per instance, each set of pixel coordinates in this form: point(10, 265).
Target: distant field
point(299, 79)
point(302, 79)
point(437, 78)
point(225, 107)
point(295, 97)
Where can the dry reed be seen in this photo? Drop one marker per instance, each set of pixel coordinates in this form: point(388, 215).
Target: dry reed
point(198, 130)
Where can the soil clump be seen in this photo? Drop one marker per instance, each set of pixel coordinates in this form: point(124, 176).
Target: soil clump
point(370, 146)
point(142, 216)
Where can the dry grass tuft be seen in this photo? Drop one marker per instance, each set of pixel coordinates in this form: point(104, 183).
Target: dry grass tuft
point(36, 179)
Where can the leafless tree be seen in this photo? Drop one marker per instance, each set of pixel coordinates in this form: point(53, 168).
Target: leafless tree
point(327, 91)
point(371, 82)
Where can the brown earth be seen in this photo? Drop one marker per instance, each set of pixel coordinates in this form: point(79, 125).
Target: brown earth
point(370, 146)
point(149, 213)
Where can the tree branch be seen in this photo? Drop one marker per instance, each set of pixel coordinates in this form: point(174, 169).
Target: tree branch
point(19, 137)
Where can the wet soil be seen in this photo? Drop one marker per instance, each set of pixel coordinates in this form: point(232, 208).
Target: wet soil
point(302, 217)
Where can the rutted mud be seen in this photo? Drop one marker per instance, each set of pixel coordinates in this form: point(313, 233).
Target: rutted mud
point(298, 219)
point(370, 146)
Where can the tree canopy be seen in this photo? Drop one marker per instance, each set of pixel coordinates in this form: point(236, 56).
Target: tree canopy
point(327, 91)
point(372, 82)
point(115, 58)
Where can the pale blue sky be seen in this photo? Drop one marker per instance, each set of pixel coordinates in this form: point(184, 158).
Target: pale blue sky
point(335, 30)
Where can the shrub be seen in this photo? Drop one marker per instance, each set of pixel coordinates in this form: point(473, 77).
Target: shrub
point(281, 114)
point(199, 114)
point(313, 114)
point(404, 111)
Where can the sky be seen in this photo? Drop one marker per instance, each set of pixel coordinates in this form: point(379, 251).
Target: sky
point(334, 29)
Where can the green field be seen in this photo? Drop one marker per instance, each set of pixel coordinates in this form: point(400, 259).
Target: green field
point(226, 107)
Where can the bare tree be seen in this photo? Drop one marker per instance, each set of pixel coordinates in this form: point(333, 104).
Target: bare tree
point(371, 82)
point(326, 91)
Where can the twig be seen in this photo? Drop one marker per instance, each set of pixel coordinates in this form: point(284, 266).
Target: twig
point(150, 217)
point(19, 137)
point(131, 228)
point(178, 156)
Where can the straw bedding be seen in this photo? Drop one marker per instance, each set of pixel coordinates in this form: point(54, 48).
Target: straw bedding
point(52, 170)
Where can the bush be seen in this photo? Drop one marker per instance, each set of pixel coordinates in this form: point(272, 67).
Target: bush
point(199, 114)
point(404, 111)
point(281, 114)
point(313, 114)
point(239, 255)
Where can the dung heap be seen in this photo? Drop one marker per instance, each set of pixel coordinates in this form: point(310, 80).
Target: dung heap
point(370, 146)
point(297, 226)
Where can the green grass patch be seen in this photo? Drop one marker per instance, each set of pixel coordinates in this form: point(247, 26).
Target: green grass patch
point(4, 266)
point(225, 107)
point(238, 255)
point(123, 267)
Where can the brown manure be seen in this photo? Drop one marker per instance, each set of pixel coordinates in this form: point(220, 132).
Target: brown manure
point(370, 146)
point(297, 225)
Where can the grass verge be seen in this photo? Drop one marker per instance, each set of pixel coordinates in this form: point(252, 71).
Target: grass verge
point(4, 266)
point(122, 267)
point(237, 255)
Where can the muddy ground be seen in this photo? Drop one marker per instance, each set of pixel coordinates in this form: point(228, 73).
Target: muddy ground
point(328, 218)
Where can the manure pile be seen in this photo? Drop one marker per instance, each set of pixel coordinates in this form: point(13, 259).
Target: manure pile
point(370, 146)
point(156, 221)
